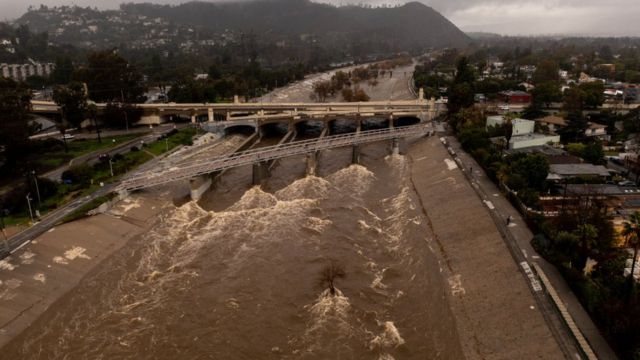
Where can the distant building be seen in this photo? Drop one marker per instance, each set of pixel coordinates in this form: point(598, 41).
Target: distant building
point(520, 126)
point(555, 123)
point(20, 72)
point(515, 97)
point(631, 93)
point(531, 140)
point(522, 135)
point(559, 172)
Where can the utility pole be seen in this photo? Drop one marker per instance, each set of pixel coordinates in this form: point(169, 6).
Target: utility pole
point(111, 167)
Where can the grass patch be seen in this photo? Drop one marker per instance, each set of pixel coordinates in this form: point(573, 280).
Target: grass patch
point(53, 156)
point(99, 173)
point(82, 211)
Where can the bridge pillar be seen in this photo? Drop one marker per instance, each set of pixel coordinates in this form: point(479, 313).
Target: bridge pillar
point(358, 124)
point(421, 94)
point(193, 119)
point(312, 163)
point(228, 115)
point(199, 185)
point(260, 172)
point(391, 121)
point(355, 154)
point(395, 146)
point(210, 115)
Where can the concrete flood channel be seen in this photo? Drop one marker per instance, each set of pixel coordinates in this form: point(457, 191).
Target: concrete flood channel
point(236, 275)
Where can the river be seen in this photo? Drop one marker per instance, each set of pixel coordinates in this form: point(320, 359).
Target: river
point(238, 276)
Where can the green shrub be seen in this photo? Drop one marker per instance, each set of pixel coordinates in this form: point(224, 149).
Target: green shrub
point(79, 174)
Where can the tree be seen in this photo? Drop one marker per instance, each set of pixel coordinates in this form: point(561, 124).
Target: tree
point(546, 93)
point(347, 94)
point(15, 103)
point(360, 95)
point(546, 71)
point(461, 92)
point(72, 101)
point(631, 231)
point(594, 153)
point(534, 168)
point(110, 78)
point(576, 127)
point(321, 90)
point(63, 71)
point(330, 274)
point(592, 94)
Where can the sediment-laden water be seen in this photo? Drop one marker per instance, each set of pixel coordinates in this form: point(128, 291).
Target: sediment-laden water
point(237, 277)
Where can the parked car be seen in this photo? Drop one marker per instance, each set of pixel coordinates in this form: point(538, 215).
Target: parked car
point(67, 136)
point(627, 183)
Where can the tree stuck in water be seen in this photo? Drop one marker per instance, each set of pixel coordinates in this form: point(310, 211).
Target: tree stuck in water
point(330, 274)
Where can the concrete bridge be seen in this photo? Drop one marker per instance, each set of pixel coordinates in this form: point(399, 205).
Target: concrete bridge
point(199, 172)
point(258, 114)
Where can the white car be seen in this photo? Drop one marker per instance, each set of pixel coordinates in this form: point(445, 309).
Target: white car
point(67, 136)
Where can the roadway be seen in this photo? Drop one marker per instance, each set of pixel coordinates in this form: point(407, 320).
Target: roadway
point(92, 158)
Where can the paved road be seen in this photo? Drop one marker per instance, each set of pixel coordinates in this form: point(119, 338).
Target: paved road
point(146, 135)
point(53, 217)
point(522, 236)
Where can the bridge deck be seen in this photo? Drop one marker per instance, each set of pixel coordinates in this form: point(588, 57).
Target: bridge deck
point(192, 169)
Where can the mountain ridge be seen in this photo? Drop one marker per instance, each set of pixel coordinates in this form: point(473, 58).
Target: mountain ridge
point(403, 28)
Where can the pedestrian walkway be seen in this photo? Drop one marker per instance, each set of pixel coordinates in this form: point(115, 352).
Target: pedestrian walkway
point(522, 235)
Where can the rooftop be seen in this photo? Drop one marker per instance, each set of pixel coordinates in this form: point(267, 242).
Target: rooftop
point(568, 170)
point(602, 189)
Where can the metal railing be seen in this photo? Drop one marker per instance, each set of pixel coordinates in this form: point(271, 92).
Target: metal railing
point(201, 167)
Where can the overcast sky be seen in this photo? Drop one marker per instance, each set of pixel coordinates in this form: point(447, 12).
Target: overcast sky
point(515, 17)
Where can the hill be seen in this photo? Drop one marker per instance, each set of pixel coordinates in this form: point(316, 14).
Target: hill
point(404, 28)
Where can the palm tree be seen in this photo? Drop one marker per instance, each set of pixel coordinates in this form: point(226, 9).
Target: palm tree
point(632, 233)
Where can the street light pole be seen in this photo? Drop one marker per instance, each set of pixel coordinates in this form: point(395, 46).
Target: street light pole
point(29, 204)
point(111, 167)
point(35, 179)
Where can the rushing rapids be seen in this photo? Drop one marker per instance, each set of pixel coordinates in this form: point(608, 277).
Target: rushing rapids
point(236, 277)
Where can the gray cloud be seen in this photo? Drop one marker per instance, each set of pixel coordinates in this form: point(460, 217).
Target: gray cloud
point(518, 17)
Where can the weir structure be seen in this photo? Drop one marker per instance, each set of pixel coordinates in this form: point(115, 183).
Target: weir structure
point(199, 172)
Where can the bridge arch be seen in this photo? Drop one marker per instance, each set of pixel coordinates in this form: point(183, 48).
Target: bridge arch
point(343, 125)
point(406, 121)
point(374, 123)
point(246, 129)
point(274, 129)
point(312, 127)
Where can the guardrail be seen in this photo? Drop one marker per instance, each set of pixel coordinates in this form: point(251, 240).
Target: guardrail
point(583, 344)
point(201, 167)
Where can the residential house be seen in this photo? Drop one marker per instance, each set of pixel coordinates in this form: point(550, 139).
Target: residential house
point(555, 123)
point(515, 97)
point(561, 172)
point(522, 135)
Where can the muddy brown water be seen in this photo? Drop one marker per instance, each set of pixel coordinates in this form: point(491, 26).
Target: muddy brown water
point(236, 277)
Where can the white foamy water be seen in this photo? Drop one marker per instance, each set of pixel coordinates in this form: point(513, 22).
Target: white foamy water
point(243, 282)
